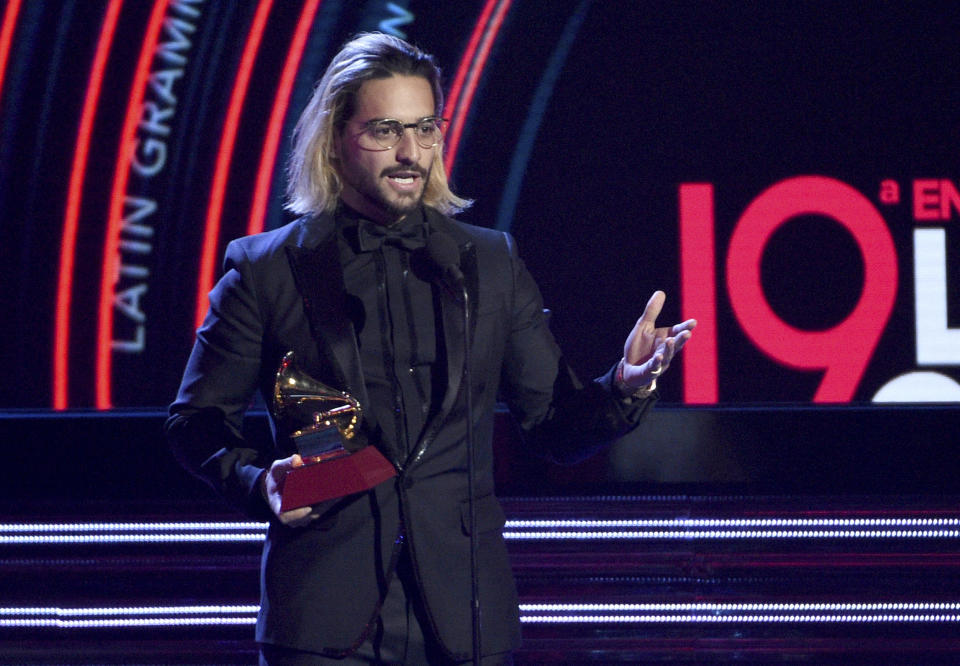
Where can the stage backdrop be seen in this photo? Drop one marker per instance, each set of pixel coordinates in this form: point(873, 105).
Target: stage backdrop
point(787, 172)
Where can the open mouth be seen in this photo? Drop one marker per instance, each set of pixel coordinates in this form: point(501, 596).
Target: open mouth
point(404, 180)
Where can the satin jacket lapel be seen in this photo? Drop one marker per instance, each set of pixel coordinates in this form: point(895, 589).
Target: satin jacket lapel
point(451, 312)
point(319, 278)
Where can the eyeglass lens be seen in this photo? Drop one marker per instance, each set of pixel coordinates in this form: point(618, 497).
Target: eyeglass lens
point(387, 133)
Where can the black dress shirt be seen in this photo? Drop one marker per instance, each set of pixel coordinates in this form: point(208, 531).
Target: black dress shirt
point(393, 307)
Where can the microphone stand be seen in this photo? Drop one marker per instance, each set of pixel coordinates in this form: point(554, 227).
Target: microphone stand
point(471, 485)
point(443, 255)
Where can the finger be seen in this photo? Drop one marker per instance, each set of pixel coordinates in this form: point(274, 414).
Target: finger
point(687, 325)
point(664, 356)
point(296, 517)
point(669, 347)
point(663, 353)
point(681, 340)
point(674, 331)
point(284, 464)
point(653, 308)
point(277, 473)
point(656, 365)
point(675, 344)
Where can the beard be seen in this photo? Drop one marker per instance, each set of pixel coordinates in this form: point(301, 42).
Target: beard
point(378, 196)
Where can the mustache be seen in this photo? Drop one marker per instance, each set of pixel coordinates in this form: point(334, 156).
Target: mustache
point(389, 171)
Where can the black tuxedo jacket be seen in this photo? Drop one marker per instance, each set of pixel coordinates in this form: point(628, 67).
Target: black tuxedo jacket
point(321, 585)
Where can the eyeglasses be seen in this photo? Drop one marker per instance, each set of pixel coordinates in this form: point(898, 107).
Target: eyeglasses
point(384, 134)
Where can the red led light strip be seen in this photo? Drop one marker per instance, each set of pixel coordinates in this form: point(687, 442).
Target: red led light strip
point(6, 37)
point(68, 243)
point(261, 191)
point(469, 72)
point(211, 237)
point(698, 292)
point(111, 244)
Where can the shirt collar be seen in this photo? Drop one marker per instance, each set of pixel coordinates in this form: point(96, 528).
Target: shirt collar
point(365, 235)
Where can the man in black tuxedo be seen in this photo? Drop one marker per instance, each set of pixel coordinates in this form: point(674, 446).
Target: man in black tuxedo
point(384, 575)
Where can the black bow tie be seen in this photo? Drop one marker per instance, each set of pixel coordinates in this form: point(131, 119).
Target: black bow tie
point(373, 235)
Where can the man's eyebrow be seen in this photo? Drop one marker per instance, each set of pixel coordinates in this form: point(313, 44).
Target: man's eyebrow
point(397, 120)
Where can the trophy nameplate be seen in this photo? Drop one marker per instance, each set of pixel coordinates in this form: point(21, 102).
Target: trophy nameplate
point(322, 422)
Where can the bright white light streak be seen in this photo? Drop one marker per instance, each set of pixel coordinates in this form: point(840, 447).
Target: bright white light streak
point(646, 613)
point(132, 527)
point(743, 607)
point(132, 610)
point(730, 619)
point(130, 623)
point(86, 539)
point(735, 522)
point(733, 534)
point(565, 529)
point(129, 617)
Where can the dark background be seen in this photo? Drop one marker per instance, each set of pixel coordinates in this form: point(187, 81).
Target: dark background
point(586, 119)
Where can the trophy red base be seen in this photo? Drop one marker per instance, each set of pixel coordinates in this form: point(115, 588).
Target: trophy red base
point(315, 482)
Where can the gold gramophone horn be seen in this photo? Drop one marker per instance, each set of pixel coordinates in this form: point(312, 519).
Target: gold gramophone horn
point(308, 405)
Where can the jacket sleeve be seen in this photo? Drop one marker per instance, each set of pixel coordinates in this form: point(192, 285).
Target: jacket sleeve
point(205, 424)
point(559, 416)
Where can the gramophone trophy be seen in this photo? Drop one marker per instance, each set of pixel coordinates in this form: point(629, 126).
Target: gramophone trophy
point(322, 422)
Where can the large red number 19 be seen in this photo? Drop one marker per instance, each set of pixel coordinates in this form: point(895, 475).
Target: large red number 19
point(842, 351)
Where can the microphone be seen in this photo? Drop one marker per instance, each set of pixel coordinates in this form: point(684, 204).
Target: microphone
point(444, 256)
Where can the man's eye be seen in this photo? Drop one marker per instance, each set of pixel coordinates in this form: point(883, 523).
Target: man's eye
point(426, 129)
point(384, 131)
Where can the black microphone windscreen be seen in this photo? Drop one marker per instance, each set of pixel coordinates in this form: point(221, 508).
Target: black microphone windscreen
point(442, 250)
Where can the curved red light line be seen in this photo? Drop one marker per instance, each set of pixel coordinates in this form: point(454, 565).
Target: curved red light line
point(221, 172)
point(111, 245)
point(453, 97)
point(271, 143)
point(6, 37)
point(471, 87)
point(68, 242)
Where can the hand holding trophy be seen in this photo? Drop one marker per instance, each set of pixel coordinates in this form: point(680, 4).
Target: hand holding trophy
point(322, 422)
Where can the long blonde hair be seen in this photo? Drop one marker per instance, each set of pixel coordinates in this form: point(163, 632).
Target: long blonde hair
point(313, 183)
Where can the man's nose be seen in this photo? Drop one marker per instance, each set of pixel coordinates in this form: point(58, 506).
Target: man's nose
point(408, 150)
